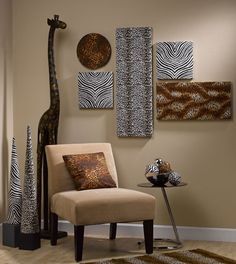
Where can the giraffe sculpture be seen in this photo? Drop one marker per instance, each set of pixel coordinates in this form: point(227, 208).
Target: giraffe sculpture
point(48, 123)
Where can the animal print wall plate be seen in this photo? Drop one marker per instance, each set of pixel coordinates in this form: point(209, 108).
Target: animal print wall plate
point(194, 100)
point(94, 51)
point(134, 82)
point(174, 60)
point(95, 90)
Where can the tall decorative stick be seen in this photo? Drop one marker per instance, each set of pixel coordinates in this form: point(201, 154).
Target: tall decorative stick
point(11, 228)
point(29, 230)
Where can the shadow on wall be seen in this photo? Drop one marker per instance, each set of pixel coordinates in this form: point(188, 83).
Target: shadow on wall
point(90, 125)
point(192, 126)
point(183, 202)
point(4, 150)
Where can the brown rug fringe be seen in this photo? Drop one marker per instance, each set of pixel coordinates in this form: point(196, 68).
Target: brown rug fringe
point(214, 255)
point(173, 257)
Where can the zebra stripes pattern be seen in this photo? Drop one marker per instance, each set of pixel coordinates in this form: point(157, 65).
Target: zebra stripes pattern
point(174, 60)
point(15, 192)
point(151, 168)
point(29, 219)
point(95, 90)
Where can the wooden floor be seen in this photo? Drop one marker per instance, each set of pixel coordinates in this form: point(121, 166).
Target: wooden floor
point(96, 249)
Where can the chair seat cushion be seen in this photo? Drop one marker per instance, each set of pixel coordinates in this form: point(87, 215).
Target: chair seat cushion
point(107, 205)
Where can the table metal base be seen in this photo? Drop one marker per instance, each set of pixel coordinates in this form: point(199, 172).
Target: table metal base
point(166, 243)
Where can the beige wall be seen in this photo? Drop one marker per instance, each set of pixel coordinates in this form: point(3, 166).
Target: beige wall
point(203, 152)
point(6, 115)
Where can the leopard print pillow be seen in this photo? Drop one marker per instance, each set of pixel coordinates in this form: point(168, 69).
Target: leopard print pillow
point(89, 171)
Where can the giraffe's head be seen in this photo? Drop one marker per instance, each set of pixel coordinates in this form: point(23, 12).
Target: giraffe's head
point(56, 23)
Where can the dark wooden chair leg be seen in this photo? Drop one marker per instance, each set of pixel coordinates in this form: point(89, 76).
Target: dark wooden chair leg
point(54, 228)
point(113, 228)
point(79, 241)
point(148, 235)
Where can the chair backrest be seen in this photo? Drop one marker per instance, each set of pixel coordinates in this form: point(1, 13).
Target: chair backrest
point(59, 179)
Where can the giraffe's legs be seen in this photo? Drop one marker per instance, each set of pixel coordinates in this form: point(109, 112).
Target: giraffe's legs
point(45, 193)
point(40, 150)
point(49, 140)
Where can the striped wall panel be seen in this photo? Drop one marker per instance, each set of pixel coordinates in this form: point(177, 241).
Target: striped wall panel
point(174, 60)
point(134, 82)
point(194, 100)
point(95, 90)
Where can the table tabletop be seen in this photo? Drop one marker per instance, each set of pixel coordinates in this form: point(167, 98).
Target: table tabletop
point(166, 185)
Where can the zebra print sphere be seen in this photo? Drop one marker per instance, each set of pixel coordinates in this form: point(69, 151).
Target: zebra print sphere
point(174, 178)
point(174, 60)
point(29, 219)
point(95, 90)
point(134, 82)
point(15, 192)
point(151, 168)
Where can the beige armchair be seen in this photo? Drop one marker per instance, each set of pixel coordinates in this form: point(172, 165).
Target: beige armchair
point(93, 206)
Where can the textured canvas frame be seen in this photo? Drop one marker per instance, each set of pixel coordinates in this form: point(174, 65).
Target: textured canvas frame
point(174, 60)
point(194, 100)
point(95, 90)
point(134, 82)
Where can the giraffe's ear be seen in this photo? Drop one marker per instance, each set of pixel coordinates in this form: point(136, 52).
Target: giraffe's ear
point(49, 21)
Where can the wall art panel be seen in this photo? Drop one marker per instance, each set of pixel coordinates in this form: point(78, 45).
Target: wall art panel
point(174, 60)
point(194, 100)
point(95, 90)
point(134, 82)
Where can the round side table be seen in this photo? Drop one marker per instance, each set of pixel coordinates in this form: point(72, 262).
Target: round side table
point(166, 244)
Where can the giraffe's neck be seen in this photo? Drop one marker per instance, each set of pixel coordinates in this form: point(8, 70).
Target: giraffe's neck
point(54, 92)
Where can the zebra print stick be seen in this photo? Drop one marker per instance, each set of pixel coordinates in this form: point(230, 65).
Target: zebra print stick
point(15, 192)
point(11, 228)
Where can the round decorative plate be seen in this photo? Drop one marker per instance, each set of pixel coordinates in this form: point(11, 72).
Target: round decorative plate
point(94, 51)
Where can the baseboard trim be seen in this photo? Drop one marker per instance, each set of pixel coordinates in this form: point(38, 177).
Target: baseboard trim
point(164, 231)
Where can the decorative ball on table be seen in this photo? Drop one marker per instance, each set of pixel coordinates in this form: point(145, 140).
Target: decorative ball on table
point(174, 178)
point(158, 172)
point(164, 167)
point(152, 169)
point(158, 161)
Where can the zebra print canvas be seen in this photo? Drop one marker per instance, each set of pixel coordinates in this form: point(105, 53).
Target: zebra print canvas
point(15, 192)
point(29, 219)
point(95, 90)
point(134, 82)
point(174, 60)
